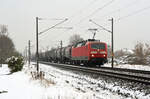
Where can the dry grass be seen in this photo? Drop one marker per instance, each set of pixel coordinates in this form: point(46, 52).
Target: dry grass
point(43, 81)
point(46, 83)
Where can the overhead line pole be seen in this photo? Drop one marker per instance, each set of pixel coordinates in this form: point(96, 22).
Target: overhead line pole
point(112, 38)
point(29, 52)
point(37, 46)
point(61, 49)
point(26, 53)
point(38, 33)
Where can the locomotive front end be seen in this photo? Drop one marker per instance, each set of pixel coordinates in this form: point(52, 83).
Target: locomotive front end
point(98, 53)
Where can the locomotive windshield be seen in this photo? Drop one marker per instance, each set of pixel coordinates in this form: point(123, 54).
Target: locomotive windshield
point(98, 46)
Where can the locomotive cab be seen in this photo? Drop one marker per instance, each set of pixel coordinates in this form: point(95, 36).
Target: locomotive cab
point(98, 53)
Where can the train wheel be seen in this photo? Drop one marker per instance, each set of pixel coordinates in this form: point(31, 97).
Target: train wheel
point(99, 65)
point(86, 64)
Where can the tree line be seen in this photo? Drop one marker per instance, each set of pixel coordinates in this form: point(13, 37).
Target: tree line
point(139, 55)
point(7, 47)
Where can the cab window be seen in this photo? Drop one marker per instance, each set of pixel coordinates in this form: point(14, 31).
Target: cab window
point(98, 46)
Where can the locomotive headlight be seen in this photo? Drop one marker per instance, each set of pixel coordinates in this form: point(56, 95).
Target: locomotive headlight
point(92, 55)
point(103, 52)
point(93, 52)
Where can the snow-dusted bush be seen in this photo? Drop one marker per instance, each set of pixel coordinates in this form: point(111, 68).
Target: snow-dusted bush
point(123, 56)
point(15, 63)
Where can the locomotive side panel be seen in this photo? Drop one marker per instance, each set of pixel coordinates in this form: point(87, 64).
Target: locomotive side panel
point(80, 52)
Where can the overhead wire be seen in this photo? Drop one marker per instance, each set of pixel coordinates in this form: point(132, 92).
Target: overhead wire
point(121, 18)
point(81, 10)
point(88, 5)
point(55, 36)
point(131, 14)
point(128, 15)
point(92, 2)
point(105, 5)
point(97, 10)
point(50, 19)
point(52, 26)
point(127, 6)
point(134, 13)
point(122, 8)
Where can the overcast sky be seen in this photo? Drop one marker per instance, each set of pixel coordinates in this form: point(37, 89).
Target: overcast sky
point(132, 21)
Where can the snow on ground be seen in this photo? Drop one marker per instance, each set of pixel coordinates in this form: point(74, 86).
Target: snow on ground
point(62, 85)
point(107, 88)
point(18, 86)
point(21, 86)
point(128, 66)
point(82, 83)
point(4, 70)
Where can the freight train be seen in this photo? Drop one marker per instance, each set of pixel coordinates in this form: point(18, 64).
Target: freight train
point(90, 52)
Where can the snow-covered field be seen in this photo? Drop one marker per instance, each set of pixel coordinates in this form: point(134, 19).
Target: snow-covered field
point(20, 85)
point(60, 84)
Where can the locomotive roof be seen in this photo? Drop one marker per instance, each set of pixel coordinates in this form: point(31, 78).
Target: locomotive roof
point(91, 41)
point(88, 41)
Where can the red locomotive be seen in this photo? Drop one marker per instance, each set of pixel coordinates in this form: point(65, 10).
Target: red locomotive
point(89, 52)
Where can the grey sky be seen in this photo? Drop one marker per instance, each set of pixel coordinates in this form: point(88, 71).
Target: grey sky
point(133, 26)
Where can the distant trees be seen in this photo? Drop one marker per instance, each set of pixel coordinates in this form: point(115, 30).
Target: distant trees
point(74, 39)
point(119, 53)
point(7, 47)
point(140, 55)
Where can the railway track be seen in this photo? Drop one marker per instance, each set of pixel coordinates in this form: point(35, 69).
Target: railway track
point(125, 74)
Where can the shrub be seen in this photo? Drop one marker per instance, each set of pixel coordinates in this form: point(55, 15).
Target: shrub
point(15, 63)
point(141, 53)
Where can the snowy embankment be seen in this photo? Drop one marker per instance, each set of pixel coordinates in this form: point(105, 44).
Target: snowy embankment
point(61, 84)
point(20, 85)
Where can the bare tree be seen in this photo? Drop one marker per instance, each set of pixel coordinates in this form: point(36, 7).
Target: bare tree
point(3, 30)
point(119, 53)
point(74, 39)
point(141, 52)
point(7, 48)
